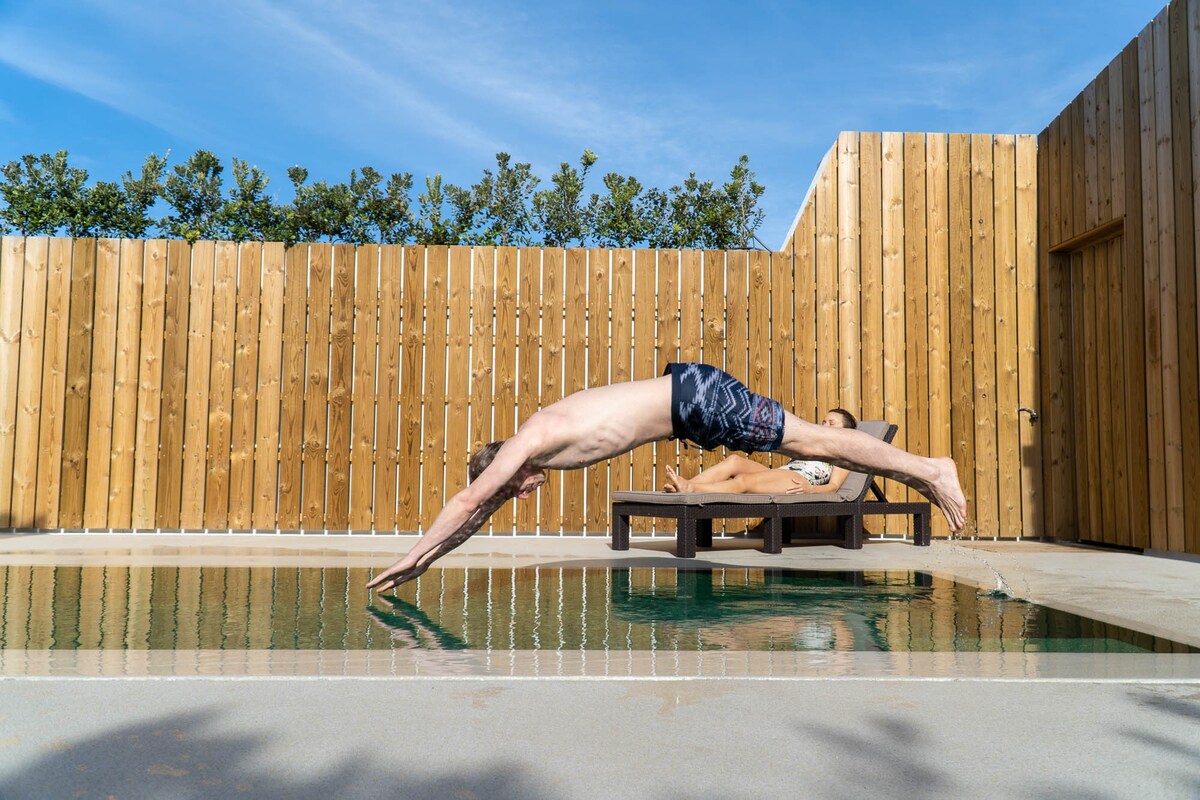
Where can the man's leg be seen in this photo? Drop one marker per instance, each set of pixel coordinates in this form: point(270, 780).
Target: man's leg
point(936, 478)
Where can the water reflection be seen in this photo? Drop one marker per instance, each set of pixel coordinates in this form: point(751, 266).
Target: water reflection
point(532, 609)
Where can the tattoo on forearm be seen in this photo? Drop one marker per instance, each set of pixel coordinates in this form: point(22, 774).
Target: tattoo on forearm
point(465, 531)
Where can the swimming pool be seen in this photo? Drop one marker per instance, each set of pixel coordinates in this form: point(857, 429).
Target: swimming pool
point(534, 610)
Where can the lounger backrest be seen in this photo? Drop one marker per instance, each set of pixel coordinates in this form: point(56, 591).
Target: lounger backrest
point(854, 488)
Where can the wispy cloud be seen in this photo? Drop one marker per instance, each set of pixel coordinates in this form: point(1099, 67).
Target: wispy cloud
point(92, 75)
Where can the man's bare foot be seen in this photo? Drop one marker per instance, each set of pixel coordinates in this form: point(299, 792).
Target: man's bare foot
point(675, 483)
point(946, 492)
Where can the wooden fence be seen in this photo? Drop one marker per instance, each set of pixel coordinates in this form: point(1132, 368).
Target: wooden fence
point(161, 385)
point(1118, 261)
point(916, 301)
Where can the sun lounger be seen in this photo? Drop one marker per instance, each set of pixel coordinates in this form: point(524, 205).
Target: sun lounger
point(695, 511)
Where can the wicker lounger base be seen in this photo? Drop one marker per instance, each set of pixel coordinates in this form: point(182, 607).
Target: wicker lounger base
point(695, 520)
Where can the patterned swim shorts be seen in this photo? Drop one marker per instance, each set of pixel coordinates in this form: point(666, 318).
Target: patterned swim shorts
point(715, 409)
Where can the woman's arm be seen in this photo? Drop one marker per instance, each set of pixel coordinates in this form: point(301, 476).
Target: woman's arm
point(836, 479)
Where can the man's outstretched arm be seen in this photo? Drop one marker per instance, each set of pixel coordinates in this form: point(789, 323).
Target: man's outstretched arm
point(463, 515)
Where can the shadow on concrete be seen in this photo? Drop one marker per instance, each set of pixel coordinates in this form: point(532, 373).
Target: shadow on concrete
point(883, 757)
point(183, 757)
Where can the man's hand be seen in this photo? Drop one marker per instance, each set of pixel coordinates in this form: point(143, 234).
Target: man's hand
point(398, 573)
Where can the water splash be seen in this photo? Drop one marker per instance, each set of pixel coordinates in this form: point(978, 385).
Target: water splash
point(1002, 588)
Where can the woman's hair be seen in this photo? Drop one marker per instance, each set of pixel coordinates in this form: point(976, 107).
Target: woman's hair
point(848, 419)
point(481, 458)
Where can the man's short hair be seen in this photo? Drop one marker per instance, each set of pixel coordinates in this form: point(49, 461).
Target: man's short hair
point(482, 458)
point(848, 419)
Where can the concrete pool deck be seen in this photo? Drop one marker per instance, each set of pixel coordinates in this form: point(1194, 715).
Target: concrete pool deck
point(1108, 731)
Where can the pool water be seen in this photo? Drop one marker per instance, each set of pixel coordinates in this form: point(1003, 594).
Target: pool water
point(534, 609)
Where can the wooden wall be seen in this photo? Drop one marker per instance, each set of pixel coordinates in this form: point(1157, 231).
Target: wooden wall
point(1117, 258)
point(916, 302)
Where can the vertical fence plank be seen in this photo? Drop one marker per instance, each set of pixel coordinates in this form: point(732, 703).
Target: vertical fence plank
point(962, 413)
point(825, 259)
point(245, 386)
point(529, 289)
point(1008, 422)
point(53, 383)
point(551, 514)
point(1168, 284)
point(270, 369)
point(895, 383)
point(291, 423)
point(366, 307)
point(79, 369)
point(804, 313)
point(1133, 264)
point(1029, 390)
point(849, 328)
point(782, 339)
point(100, 407)
point(983, 264)
point(145, 460)
point(668, 337)
point(691, 334)
point(170, 452)
point(937, 193)
point(34, 263)
point(575, 361)
point(1082, 442)
point(483, 311)
point(458, 364)
point(1091, 167)
point(712, 309)
point(1092, 475)
point(316, 387)
point(1192, 26)
point(599, 344)
point(1103, 148)
point(220, 393)
point(1186, 342)
point(1152, 293)
point(916, 296)
point(621, 350)
point(341, 379)
point(387, 398)
point(1119, 532)
point(199, 354)
point(504, 416)
point(645, 311)
point(408, 493)
point(12, 269)
point(125, 384)
point(871, 313)
point(1106, 483)
point(759, 370)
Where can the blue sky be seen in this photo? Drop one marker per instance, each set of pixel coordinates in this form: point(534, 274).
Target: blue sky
point(657, 90)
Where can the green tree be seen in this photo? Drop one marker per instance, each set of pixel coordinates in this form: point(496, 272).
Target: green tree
point(740, 215)
point(392, 214)
point(320, 209)
point(249, 213)
point(193, 191)
point(615, 217)
point(141, 193)
point(42, 194)
point(560, 212)
point(437, 224)
point(503, 201)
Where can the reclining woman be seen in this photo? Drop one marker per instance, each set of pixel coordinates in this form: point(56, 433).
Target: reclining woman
point(739, 475)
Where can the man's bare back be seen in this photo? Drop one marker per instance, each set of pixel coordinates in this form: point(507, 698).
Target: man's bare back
point(599, 423)
point(605, 421)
